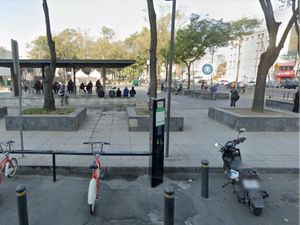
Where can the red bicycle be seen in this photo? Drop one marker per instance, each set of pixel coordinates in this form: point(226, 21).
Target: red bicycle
point(8, 166)
point(96, 169)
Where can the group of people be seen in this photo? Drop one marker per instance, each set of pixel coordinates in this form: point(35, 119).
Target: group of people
point(86, 88)
point(176, 88)
point(126, 92)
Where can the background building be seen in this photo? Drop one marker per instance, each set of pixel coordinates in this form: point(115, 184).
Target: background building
point(244, 55)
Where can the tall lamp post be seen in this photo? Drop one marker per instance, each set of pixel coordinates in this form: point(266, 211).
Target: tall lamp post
point(170, 76)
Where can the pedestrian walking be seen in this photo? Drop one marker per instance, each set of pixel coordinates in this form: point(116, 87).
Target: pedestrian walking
point(296, 102)
point(234, 96)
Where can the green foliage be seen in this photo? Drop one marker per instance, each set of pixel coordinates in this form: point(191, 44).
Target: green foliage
point(243, 27)
point(41, 111)
point(39, 48)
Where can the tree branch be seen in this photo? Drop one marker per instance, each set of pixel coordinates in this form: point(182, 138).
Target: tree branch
point(296, 25)
point(292, 20)
point(271, 23)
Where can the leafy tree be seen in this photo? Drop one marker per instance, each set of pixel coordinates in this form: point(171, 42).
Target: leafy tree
point(107, 33)
point(49, 103)
point(203, 35)
point(39, 48)
point(268, 57)
point(197, 37)
point(70, 44)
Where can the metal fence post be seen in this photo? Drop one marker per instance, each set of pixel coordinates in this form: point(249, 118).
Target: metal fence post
point(22, 204)
point(54, 167)
point(169, 206)
point(204, 178)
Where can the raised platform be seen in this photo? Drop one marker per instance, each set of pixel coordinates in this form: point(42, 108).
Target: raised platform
point(206, 94)
point(280, 104)
point(79, 100)
point(277, 122)
point(138, 123)
point(69, 122)
point(3, 111)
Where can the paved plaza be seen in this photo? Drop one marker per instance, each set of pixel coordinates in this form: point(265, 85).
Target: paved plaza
point(187, 148)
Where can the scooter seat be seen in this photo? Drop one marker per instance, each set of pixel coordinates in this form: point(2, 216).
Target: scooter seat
point(244, 170)
point(237, 165)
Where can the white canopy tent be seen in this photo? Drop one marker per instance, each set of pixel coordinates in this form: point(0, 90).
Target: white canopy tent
point(95, 73)
point(80, 74)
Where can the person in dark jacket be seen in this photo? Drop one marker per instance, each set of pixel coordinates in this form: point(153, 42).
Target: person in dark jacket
point(125, 92)
point(132, 92)
point(234, 96)
point(81, 87)
point(296, 102)
point(119, 93)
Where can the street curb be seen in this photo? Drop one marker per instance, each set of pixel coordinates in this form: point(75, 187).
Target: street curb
point(139, 171)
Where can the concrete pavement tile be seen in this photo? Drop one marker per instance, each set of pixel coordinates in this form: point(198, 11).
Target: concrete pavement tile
point(101, 135)
point(120, 141)
point(116, 134)
point(82, 134)
point(119, 147)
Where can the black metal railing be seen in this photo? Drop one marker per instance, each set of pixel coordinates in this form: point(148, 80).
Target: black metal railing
point(54, 153)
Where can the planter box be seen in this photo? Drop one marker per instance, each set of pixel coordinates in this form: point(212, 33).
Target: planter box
point(69, 122)
point(277, 104)
point(138, 123)
point(3, 111)
point(207, 95)
point(280, 122)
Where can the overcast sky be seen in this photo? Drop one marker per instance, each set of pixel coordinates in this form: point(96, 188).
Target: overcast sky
point(23, 20)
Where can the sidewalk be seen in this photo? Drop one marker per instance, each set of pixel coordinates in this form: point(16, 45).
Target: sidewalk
point(266, 150)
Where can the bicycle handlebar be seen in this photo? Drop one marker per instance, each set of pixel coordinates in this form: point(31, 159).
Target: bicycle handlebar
point(96, 142)
point(7, 142)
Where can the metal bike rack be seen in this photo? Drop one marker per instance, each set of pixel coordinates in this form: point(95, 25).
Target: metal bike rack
point(54, 153)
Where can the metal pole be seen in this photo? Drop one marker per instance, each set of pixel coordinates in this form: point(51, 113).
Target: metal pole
point(169, 206)
point(15, 55)
point(170, 77)
point(54, 167)
point(204, 178)
point(22, 204)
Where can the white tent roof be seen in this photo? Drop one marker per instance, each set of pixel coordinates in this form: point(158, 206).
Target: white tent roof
point(95, 73)
point(80, 73)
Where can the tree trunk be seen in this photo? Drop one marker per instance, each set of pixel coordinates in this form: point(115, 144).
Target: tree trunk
point(189, 76)
point(49, 103)
point(269, 57)
point(153, 46)
point(14, 79)
point(267, 60)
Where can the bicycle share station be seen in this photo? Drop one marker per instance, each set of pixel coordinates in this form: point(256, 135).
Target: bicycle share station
point(155, 153)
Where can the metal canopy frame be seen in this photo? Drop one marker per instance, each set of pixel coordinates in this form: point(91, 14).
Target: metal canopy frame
point(68, 63)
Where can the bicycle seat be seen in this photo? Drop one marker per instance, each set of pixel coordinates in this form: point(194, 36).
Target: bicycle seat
point(93, 166)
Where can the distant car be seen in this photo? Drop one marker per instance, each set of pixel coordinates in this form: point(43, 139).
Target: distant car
point(270, 84)
point(290, 84)
point(223, 82)
point(251, 83)
point(239, 84)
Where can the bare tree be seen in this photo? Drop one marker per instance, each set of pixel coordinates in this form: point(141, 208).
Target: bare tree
point(153, 47)
point(49, 103)
point(268, 58)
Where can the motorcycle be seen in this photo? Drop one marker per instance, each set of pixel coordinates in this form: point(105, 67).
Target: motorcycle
point(245, 180)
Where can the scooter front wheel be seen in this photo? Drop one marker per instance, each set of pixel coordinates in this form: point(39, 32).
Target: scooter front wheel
point(256, 211)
